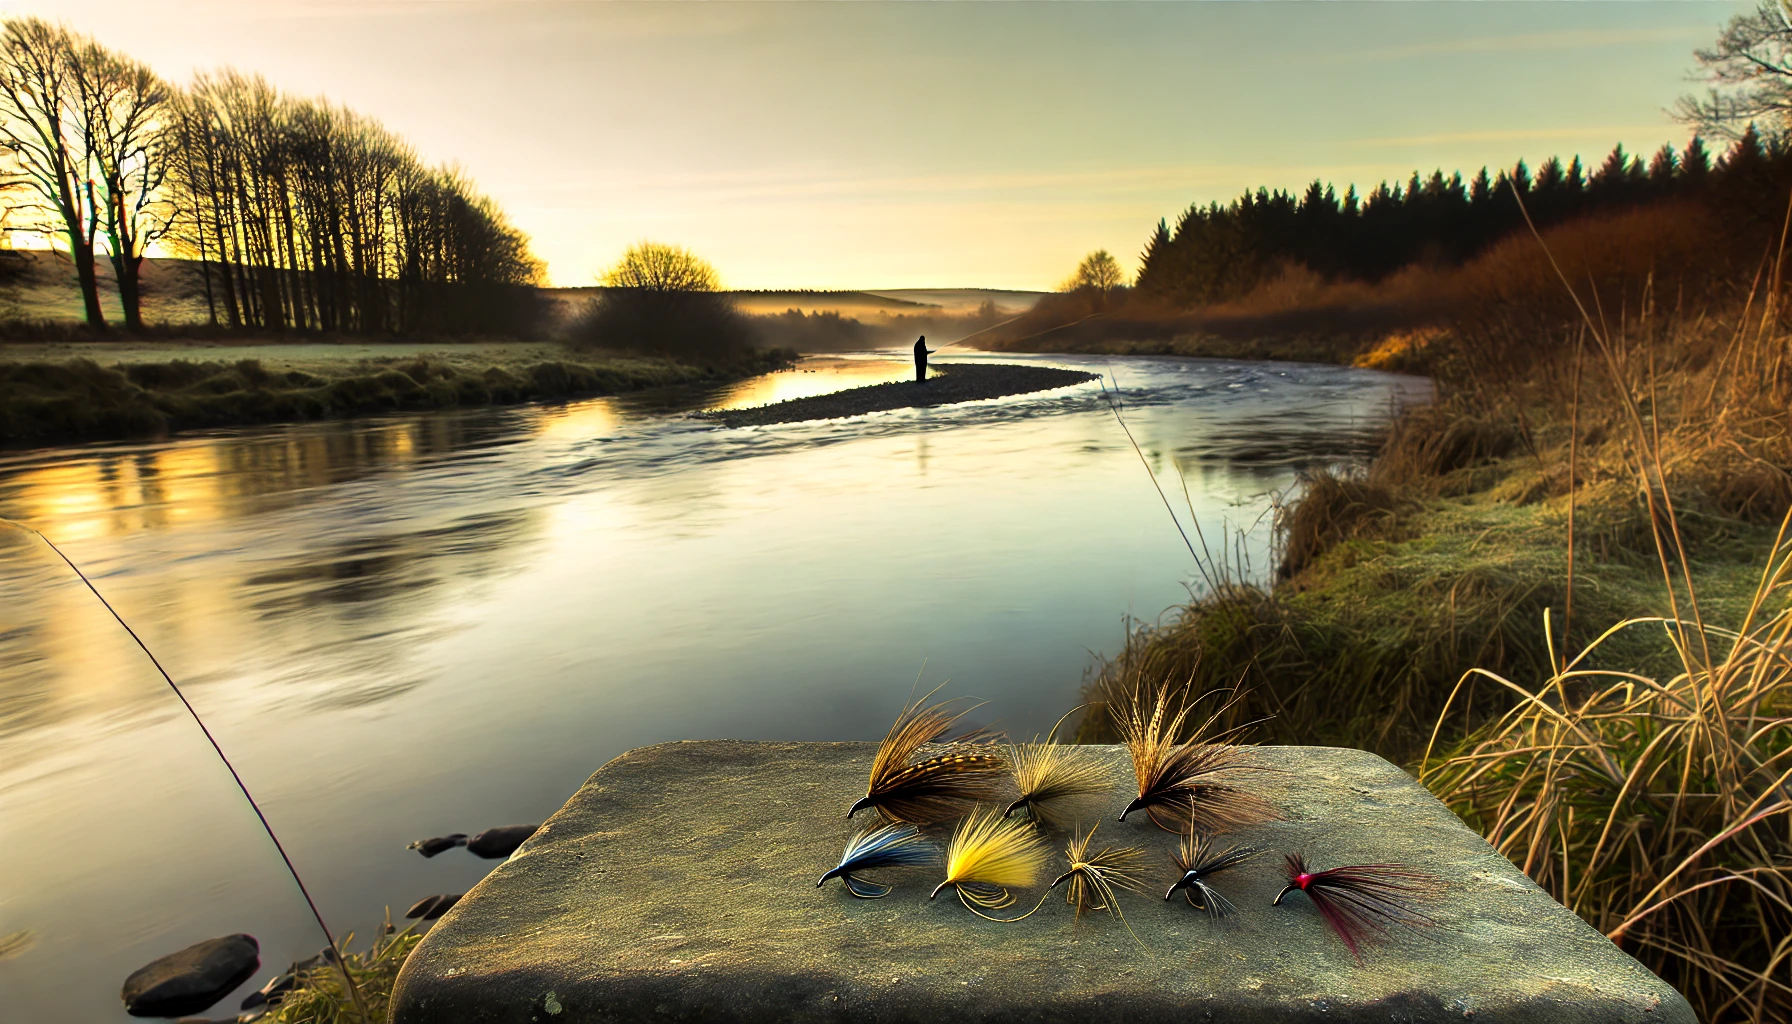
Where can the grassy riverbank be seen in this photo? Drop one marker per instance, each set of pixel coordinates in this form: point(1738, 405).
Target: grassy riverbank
point(1560, 595)
point(52, 392)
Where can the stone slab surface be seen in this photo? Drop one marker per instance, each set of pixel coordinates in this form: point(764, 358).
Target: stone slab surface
point(679, 885)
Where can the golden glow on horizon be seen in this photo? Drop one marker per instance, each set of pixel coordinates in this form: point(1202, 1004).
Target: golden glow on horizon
point(891, 146)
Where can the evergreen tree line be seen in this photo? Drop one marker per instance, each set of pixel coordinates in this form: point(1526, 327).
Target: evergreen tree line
point(1216, 253)
point(298, 214)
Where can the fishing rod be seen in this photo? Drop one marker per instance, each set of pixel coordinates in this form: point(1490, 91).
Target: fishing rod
point(1113, 401)
point(336, 952)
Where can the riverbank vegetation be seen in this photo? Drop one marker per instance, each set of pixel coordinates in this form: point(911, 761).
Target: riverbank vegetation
point(1559, 594)
point(1259, 292)
point(277, 220)
point(298, 213)
point(665, 300)
point(320, 995)
point(47, 400)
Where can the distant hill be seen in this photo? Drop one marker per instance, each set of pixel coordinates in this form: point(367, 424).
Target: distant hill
point(41, 286)
point(860, 305)
point(959, 301)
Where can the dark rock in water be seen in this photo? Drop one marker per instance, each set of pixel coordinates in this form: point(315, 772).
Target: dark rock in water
point(193, 979)
point(431, 907)
point(499, 842)
point(431, 847)
point(274, 990)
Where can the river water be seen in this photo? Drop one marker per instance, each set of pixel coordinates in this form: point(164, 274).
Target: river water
point(412, 625)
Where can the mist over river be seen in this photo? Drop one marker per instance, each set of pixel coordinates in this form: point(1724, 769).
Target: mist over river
point(420, 624)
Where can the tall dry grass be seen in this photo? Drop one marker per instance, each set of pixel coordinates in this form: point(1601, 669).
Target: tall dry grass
point(1604, 472)
point(1658, 809)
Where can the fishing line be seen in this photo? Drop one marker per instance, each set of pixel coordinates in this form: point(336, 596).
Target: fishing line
point(1115, 408)
point(335, 950)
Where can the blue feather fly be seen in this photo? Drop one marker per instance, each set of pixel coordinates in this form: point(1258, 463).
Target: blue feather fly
point(885, 846)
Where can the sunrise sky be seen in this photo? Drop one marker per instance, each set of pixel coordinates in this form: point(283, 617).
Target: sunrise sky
point(888, 146)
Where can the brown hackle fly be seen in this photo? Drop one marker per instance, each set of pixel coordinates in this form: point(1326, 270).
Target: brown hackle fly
point(1362, 902)
point(1199, 859)
point(905, 786)
point(1188, 783)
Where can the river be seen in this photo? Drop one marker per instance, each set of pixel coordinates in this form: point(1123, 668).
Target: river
point(412, 625)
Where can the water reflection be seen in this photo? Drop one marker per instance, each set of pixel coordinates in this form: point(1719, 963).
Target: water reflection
point(817, 375)
point(421, 624)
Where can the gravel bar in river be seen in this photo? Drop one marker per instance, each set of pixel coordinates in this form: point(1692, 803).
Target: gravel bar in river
point(957, 382)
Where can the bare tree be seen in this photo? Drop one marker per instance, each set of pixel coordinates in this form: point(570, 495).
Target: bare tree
point(124, 114)
point(42, 134)
point(1749, 71)
point(307, 215)
point(656, 267)
point(1096, 279)
point(665, 299)
point(1100, 271)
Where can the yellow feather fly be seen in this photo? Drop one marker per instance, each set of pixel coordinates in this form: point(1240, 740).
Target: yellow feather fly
point(988, 855)
point(1050, 774)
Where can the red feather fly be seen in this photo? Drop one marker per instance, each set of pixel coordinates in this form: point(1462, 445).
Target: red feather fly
point(1362, 901)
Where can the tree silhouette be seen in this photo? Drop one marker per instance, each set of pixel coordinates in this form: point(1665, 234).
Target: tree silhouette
point(1216, 253)
point(1749, 73)
point(664, 299)
point(306, 215)
point(654, 266)
point(42, 136)
point(124, 109)
point(1100, 271)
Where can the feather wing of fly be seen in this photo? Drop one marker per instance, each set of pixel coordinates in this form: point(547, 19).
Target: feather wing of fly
point(987, 856)
point(882, 846)
point(1199, 859)
point(1361, 902)
point(1048, 774)
point(1095, 878)
point(905, 787)
point(1188, 783)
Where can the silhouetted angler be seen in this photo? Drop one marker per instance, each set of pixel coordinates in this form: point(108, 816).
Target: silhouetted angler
point(921, 353)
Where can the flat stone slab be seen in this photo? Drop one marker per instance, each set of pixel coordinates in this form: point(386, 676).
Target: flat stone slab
point(679, 885)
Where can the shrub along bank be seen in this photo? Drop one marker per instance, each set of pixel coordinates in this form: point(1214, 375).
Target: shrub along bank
point(49, 400)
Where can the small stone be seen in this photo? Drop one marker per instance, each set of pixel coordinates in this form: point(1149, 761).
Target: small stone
point(498, 842)
point(439, 844)
point(192, 980)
